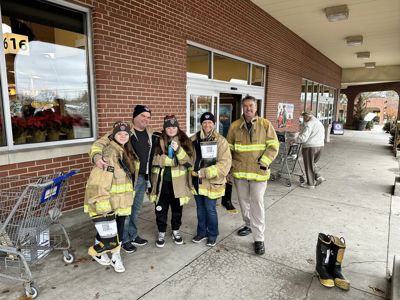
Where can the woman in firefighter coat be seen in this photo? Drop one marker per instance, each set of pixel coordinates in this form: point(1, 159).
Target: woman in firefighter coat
point(209, 177)
point(170, 178)
point(109, 196)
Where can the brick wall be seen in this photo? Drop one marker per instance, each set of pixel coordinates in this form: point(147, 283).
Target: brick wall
point(140, 57)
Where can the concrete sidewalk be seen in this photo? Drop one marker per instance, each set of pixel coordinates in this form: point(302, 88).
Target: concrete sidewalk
point(355, 202)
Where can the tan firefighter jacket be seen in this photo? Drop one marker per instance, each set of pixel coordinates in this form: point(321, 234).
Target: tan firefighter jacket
point(213, 185)
point(97, 147)
point(181, 177)
point(110, 189)
point(252, 151)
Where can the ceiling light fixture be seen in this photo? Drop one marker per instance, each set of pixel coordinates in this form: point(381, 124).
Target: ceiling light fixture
point(354, 40)
point(363, 55)
point(370, 65)
point(337, 13)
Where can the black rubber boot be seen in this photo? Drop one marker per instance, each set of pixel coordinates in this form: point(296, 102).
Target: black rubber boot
point(109, 239)
point(338, 246)
point(226, 199)
point(322, 260)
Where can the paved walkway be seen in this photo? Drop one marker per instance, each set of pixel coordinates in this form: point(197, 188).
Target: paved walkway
point(355, 202)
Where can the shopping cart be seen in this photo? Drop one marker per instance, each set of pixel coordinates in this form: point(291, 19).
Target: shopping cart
point(29, 224)
point(287, 162)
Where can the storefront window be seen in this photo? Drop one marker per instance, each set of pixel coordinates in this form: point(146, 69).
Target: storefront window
point(257, 75)
point(47, 72)
point(231, 70)
point(198, 60)
point(309, 95)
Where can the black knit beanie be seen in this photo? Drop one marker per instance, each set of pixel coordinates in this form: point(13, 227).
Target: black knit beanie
point(140, 109)
point(207, 116)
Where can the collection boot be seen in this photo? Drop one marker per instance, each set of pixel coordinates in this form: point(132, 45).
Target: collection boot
point(338, 246)
point(322, 260)
point(226, 199)
point(106, 227)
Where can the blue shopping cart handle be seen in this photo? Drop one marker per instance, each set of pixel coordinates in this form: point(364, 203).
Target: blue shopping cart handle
point(65, 176)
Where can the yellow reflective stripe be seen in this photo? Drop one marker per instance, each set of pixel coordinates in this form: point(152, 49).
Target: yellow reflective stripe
point(231, 147)
point(85, 208)
point(121, 188)
point(266, 160)
point(249, 148)
point(103, 205)
point(95, 150)
point(123, 211)
point(211, 194)
point(178, 173)
point(155, 170)
point(184, 200)
point(193, 190)
point(137, 165)
point(271, 143)
point(251, 176)
point(212, 171)
point(153, 198)
point(181, 154)
point(169, 162)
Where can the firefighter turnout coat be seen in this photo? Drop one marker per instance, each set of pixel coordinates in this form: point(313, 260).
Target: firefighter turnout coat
point(110, 189)
point(213, 185)
point(181, 177)
point(252, 150)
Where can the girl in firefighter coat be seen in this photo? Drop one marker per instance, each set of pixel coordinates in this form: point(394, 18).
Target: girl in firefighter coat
point(109, 196)
point(171, 178)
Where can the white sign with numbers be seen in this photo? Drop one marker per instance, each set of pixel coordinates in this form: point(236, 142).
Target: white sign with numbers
point(15, 44)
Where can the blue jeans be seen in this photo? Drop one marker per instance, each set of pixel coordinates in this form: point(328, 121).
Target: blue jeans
point(207, 217)
point(130, 230)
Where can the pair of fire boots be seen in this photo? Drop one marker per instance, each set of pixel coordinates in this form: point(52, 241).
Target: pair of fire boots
point(106, 227)
point(330, 252)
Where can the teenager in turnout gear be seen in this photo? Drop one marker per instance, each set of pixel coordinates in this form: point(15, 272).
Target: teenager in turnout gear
point(254, 145)
point(209, 178)
point(173, 156)
point(142, 139)
point(108, 196)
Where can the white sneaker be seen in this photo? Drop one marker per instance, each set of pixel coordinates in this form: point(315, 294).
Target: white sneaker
point(116, 262)
point(104, 259)
point(320, 180)
point(306, 186)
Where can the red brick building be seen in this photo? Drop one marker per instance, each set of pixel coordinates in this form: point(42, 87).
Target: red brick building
point(79, 66)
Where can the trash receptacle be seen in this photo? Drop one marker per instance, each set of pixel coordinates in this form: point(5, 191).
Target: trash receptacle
point(328, 128)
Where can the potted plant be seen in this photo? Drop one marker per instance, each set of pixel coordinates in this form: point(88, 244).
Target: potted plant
point(19, 129)
point(360, 111)
point(54, 125)
point(37, 127)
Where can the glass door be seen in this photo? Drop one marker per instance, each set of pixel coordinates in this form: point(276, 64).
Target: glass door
point(199, 102)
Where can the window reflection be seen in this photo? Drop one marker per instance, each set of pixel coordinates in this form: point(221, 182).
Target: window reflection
point(257, 75)
point(198, 106)
point(48, 77)
point(197, 60)
point(229, 69)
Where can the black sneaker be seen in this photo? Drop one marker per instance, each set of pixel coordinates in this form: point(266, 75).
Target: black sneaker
point(161, 240)
point(198, 239)
point(211, 243)
point(244, 231)
point(129, 247)
point(139, 241)
point(176, 236)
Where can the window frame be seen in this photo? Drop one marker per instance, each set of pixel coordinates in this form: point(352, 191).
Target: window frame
point(10, 147)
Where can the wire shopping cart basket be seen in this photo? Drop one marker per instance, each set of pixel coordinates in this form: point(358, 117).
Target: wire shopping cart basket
point(29, 224)
point(287, 163)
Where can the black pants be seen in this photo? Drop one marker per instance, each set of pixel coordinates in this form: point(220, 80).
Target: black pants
point(167, 199)
point(120, 227)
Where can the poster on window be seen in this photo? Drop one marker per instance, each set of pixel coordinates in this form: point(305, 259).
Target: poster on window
point(285, 115)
